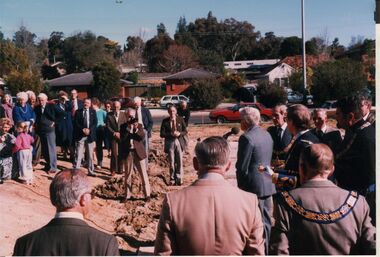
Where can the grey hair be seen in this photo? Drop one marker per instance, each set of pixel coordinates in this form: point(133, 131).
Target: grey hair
point(213, 152)
point(137, 99)
point(67, 187)
point(250, 115)
point(321, 110)
point(43, 96)
point(131, 111)
point(22, 95)
point(31, 94)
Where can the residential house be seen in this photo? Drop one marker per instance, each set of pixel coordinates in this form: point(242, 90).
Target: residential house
point(180, 81)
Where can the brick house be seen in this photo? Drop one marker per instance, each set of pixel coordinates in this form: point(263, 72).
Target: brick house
point(179, 82)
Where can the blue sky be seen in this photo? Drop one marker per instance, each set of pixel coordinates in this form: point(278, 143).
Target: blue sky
point(334, 18)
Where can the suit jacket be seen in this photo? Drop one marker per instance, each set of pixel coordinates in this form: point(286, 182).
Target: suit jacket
point(292, 234)
point(79, 125)
point(254, 149)
point(280, 144)
point(332, 137)
point(112, 125)
point(185, 114)
point(210, 217)
point(137, 136)
point(147, 120)
point(293, 156)
point(45, 122)
point(165, 132)
point(65, 237)
point(355, 161)
point(80, 104)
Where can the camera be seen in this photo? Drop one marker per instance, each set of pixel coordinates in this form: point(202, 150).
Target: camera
point(132, 120)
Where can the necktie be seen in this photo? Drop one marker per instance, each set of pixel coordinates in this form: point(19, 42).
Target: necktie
point(43, 109)
point(85, 118)
point(279, 131)
point(173, 126)
point(320, 134)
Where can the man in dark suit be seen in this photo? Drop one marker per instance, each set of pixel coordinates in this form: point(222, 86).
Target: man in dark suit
point(298, 124)
point(255, 148)
point(319, 218)
point(114, 120)
point(45, 128)
point(75, 102)
point(365, 107)
point(355, 161)
point(85, 123)
point(144, 117)
point(325, 133)
point(173, 129)
point(279, 132)
point(68, 234)
point(132, 152)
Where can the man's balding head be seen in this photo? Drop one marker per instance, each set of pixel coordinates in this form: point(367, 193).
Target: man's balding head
point(316, 161)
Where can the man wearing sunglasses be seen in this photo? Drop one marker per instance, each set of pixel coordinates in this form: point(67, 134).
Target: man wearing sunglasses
point(67, 233)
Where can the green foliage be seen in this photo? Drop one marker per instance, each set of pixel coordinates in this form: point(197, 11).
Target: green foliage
point(133, 76)
point(12, 58)
point(106, 82)
point(270, 94)
point(55, 44)
point(211, 61)
point(296, 80)
point(205, 93)
point(23, 81)
point(24, 38)
point(83, 51)
point(291, 46)
point(337, 79)
point(230, 83)
point(268, 47)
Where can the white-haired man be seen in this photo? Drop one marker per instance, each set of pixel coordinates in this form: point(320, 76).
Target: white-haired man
point(68, 234)
point(255, 148)
point(144, 118)
point(210, 217)
point(45, 128)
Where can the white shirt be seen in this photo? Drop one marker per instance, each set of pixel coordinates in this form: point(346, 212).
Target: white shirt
point(212, 176)
point(139, 116)
point(69, 214)
point(366, 116)
point(283, 128)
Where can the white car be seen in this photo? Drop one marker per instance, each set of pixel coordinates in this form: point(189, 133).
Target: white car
point(168, 100)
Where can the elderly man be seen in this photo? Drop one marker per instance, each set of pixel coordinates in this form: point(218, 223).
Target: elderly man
point(173, 129)
point(325, 133)
point(114, 120)
point(298, 124)
point(279, 132)
point(85, 123)
point(132, 152)
point(45, 128)
point(145, 119)
point(320, 218)
point(75, 102)
point(365, 107)
point(254, 149)
point(355, 161)
point(68, 234)
point(210, 217)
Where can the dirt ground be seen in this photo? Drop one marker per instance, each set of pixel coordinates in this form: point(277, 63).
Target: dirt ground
point(26, 208)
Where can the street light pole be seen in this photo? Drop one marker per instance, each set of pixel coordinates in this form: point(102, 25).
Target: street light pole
point(303, 45)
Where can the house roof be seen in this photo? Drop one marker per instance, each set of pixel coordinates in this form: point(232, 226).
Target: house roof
point(311, 60)
point(73, 79)
point(192, 73)
point(249, 63)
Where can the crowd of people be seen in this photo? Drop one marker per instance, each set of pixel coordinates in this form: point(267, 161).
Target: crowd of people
point(330, 207)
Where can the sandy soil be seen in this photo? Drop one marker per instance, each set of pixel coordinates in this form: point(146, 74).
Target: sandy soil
point(26, 208)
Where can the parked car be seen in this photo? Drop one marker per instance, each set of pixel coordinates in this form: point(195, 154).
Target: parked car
point(295, 97)
point(126, 102)
point(223, 115)
point(168, 100)
point(330, 107)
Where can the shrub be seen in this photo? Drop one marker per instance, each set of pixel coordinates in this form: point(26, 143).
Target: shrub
point(205, 93)
point(270, 95)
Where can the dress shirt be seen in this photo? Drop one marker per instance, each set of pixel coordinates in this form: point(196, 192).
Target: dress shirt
point(283, 128)
point(43, 109)
point(300, 134)
point(366, 116)
point(139, 116)
point(86, 116)
point(212, 176)
point(69, 214)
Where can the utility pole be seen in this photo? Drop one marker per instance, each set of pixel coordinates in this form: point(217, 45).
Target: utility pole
point(303, 45)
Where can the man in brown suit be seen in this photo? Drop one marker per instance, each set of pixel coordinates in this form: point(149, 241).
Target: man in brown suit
point(320, 218)
point(210, 217)
point(113, 122)
point(173, 129)
point(68, 234)
point(132, 152)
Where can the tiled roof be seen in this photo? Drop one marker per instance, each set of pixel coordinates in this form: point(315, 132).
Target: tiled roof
point(73, 79)
point(192, 73)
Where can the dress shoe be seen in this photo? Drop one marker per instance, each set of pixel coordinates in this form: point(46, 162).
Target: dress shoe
point(125, 199)
point(92, 175)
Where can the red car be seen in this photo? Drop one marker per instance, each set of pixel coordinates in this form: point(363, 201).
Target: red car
point(232, 113)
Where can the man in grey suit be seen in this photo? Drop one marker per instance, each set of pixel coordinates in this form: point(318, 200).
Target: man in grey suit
point(320, 218)
point(68, 234)
point(255, 149)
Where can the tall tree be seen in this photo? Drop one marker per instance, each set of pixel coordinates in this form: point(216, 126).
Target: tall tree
point(55, 44)
point(12, 58)
point(106, 82)
point(23, 38)
point(291, 46)
point(268, 47)
point(177, 58)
